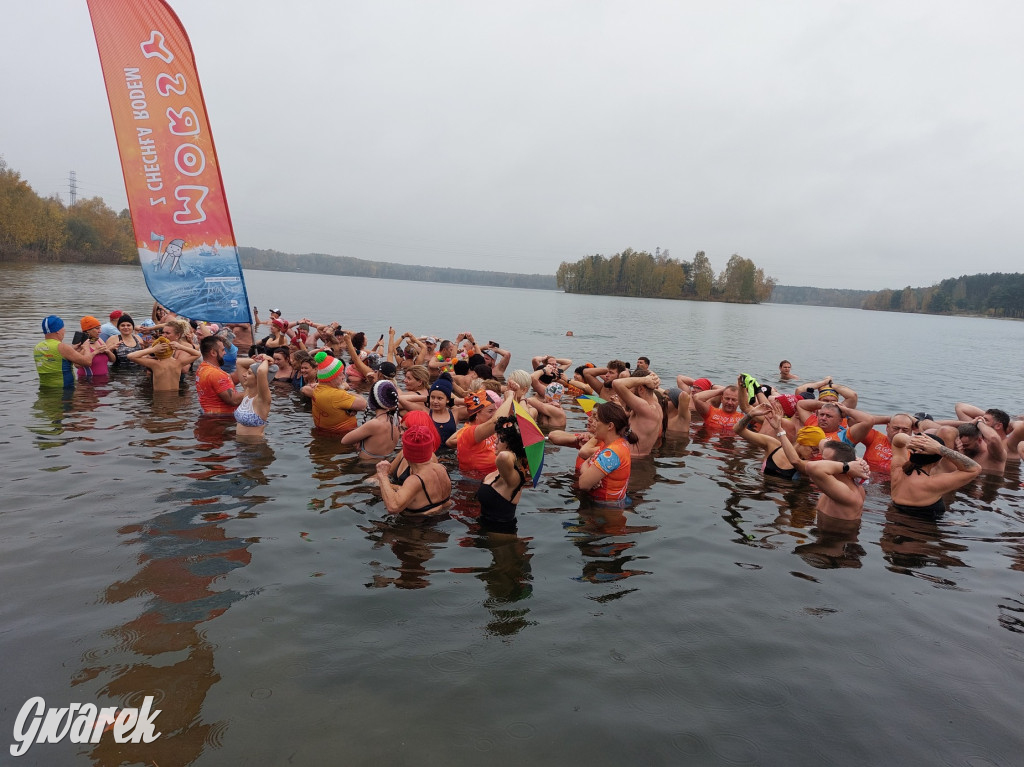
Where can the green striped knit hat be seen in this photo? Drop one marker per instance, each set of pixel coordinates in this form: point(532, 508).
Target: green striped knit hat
point(327, 367)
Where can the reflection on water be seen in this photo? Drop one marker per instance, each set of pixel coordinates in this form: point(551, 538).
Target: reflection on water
point(156, 555)
point(603, 535)
point(182, 555)
point(414, 543)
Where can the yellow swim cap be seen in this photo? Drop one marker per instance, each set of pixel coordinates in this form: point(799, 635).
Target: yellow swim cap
point(810, 436)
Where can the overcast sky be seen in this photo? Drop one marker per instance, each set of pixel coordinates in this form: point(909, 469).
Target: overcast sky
point(835, 144)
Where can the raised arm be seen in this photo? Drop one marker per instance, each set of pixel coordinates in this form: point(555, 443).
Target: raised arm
point(624, 388)
point(967, 412)
point(966, 468)
point(359, 365)
point(996, 444)
point(849, 395)
point(705, 399)
point(825, 475)
point(860, 423)
point(742, 428)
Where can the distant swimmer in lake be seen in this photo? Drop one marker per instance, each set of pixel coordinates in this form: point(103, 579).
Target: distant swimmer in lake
point(786, 371)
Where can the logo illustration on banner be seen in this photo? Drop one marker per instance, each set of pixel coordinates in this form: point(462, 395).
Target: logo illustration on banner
point(171, 173)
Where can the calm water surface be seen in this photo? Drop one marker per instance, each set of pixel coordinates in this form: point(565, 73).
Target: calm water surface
point(279, 617)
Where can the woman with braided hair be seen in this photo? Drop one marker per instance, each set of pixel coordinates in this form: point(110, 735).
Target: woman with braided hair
point(499, 493)
point(378, 434)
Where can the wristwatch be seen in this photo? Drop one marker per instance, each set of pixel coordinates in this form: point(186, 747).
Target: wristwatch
point(846, 467)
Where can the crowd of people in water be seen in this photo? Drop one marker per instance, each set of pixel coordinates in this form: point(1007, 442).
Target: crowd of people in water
point(421, 395)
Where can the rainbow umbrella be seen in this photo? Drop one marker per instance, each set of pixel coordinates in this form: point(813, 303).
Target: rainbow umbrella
point(588, 401)
point(533, 440)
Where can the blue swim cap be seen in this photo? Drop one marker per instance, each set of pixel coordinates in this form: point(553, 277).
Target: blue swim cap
point(52, 324)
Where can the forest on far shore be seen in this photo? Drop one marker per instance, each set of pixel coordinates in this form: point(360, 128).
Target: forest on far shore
point(35, 229)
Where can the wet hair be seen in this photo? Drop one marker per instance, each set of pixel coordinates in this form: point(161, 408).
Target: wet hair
point(968, 429)
point(420, 373)
point(301, 355)
point(1000, 416)
point(617, 365)
point(840, 451)
point(521, 378)
point(831, 406)
point(476, 359)
point(507, 430)
point(645, 360)
point(359, 341)
point(125, 318)
point(482, 371)
point(461, 367)
point(179, 325)
point(207, 344)
point(613, 414)
point(282, 350)
point(918, 460)
point(784, 362)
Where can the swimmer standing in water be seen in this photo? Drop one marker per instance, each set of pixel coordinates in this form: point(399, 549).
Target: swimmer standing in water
point(786, 371)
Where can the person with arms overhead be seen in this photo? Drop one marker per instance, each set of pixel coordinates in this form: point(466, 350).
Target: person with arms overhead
point(918, 483)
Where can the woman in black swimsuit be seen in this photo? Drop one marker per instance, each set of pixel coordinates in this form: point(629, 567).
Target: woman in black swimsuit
point(776, 464)
point(428, 488)
point(499, 494)
point(126, 342)
point(915, 486)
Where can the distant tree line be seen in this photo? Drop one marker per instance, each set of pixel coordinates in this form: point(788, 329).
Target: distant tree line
point(34, 228)
point(793, 294)
point(640, 274)
point(994, 295)
point(320, 263)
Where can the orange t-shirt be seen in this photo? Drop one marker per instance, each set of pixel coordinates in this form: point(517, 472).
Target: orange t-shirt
point(475, 456)
point(614, 461)
point(719, 419)
point(879, 451)
point(210, 382)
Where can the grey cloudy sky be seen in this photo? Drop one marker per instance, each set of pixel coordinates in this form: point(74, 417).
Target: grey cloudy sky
point(836, 144)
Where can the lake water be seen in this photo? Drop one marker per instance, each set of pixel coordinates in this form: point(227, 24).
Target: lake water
point(262, 595)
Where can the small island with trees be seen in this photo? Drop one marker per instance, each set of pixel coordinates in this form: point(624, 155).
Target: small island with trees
point(35, 229)
point(638, 273)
